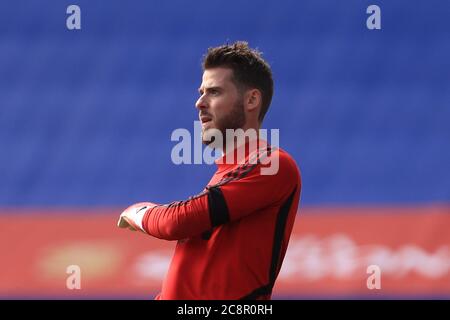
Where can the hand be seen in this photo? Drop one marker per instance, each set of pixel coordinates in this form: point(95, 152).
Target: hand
point(132, 216)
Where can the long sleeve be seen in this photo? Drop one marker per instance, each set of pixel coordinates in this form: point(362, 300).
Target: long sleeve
point(240, 192)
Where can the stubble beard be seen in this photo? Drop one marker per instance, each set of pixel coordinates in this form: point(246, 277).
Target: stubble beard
point(234, 120)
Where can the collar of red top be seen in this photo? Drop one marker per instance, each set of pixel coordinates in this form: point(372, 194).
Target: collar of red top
point(240, 154)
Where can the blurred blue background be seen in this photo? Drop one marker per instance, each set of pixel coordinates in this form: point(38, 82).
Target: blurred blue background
point(86, 115)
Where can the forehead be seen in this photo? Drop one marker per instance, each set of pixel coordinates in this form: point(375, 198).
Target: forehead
point(217, 77)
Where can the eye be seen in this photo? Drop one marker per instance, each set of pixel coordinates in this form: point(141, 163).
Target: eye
point(214, 92)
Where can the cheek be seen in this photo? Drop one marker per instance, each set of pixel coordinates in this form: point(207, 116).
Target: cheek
point(215, 108)
point(221, 106)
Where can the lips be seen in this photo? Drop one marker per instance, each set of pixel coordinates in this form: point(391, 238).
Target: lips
point(205, 119)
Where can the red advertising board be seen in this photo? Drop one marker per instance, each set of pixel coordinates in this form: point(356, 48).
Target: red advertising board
point(333, 252)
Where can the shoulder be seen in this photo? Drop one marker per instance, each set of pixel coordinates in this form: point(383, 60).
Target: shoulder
point(287, 160)
point(289, 163)
point(281, 164)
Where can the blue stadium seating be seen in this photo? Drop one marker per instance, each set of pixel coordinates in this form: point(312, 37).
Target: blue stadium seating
point(86, 116)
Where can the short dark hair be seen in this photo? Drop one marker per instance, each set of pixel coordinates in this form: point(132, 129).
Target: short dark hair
point(250, 70)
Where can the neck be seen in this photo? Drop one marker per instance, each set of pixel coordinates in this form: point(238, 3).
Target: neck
point(237, 137)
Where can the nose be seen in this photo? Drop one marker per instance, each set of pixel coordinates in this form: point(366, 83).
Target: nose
point(201, 103)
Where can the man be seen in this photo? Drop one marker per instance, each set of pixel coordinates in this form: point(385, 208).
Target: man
point(232, 237)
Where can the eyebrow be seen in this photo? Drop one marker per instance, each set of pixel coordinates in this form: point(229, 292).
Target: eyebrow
point(209, 88)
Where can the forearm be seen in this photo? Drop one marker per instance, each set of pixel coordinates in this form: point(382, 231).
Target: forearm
point(178, 220)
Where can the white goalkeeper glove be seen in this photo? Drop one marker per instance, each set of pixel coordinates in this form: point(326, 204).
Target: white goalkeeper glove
point(132, 216)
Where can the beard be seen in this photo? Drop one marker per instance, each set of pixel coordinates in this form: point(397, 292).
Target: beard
point(233, 120)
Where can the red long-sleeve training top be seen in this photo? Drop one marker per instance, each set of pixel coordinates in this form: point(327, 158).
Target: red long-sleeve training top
point(233, 236)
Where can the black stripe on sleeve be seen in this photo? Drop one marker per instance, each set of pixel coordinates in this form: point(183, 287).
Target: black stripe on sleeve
point(218, 210)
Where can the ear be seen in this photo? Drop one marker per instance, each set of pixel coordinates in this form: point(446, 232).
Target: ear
point(252, 100)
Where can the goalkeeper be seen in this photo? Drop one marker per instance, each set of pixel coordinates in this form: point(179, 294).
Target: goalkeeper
point(233, 236)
